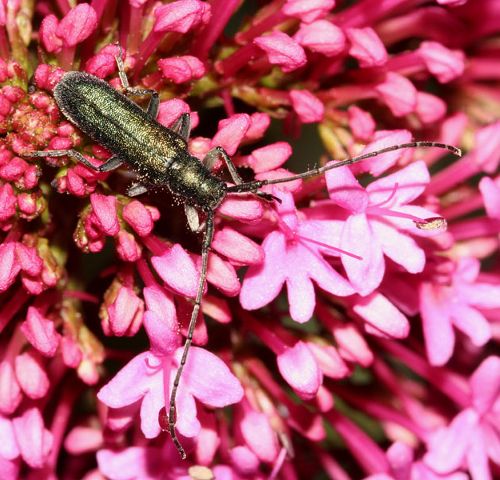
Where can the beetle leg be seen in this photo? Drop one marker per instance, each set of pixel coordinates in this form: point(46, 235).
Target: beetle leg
point(154, 102)
point(110, 164)
point(182, 126)
point(136, 189)
point(212, 156)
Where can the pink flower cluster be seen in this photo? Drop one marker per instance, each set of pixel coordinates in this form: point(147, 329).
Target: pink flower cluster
point(379, 358)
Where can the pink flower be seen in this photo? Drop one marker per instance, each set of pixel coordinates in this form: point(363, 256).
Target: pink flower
point(321, 36)
point(309, 108)
point(308, 11)
point(366, 47)
point(443, 63)
point(292, 258)
point(472, 437)
point(398, 93)
point(178, 16)
point(181, 69)
point(458, 303)
point(379, 223)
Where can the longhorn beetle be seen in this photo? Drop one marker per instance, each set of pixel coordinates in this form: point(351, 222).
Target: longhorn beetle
point(160, 156)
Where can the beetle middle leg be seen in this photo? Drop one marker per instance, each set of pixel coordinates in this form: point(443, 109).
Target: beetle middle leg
point(110, 164)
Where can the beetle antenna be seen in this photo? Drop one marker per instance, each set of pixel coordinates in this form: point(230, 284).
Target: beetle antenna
point(256, 184)
point(172, 412)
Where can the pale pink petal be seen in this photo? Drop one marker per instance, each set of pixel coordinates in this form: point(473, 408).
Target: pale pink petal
point(448, 449)
point(308, 107)
point(382, 316)
point(262, 283)
point(152, 402)
point(131, 383)
point(366, 274)
point(138, 217)
point(34, 441)
point(8, 446)
point(282, 50)
point(77, 25)
point(222, 275)
point(40, 332)
point(31, 375)
point(209, 378)
point(400, 187)
point(237, 247)
point(430, 108)
point(187, 416)
point(178, 16)
point(131, 463)
point(492, 440)
point(477, 459)
point(244, 208)
point(301, 296)
point(208, 439)
point(366, 47)
point(10, 267)
point(352, 345)
point(471, 322)
point(329, 360)
point(485, 384)
point(308, 10)
point(259, 436)
point(231, 132)
point(400, 456)
point(443, 63)
point(487, 147)
point(10, 468)
point(244, 460)
point(321, 36)
point(299, 368)
point(83, 440)
point(345, 190)
point(398, 93)
point(399, 247)
point(10, 391)
point(438, 331)
point(361, 123)
point(177, 270)
point(490, 190)
point(286, 209)
point(269, 157)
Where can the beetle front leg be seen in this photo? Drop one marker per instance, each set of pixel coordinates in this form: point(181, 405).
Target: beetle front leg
point(110, 164)
point(212, 156)
point(182, 126)
point(154, 102)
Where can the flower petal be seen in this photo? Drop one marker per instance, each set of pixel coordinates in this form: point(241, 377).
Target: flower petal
point(485, 384)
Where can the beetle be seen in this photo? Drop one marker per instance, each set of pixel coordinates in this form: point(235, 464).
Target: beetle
point(160, 157)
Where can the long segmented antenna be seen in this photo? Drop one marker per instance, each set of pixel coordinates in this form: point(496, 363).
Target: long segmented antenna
point(256, 184)
point(207, 240)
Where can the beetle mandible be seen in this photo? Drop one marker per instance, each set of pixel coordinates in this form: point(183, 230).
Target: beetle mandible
point(160, 156)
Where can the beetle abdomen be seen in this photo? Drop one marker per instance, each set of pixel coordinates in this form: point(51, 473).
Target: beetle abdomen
point(117, 123)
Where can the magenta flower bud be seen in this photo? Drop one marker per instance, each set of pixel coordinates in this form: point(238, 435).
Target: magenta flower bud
point(222, 275)
point(259, 123)
point(31, 375)
point(77, 25)
point(308, 10)
point(490, 191)
point(300, 369)
point(138, 217)
point(430, 108)
point(366, 47)
point(231, 132)
point(48, 34)
point(40, 332)
point(48, 77)
point(10, 391)
point(13, 170)
point(28, 260)
point(398, 93)
point(269, 157)
point(171, 110)
point(329, 360)
point(83, 440)
point(177, 270)
point(282, 50)
point(126, 247)
point(308, 107)
point(181, 69)
point(361, 123)
point(34, 441)
point(9, 267)
point(321, 36)
point(443, 63)
point(180, 16)
point(101, 65)
point(104, 208)
point(260, 436)
point(244, 209)
point(124, 313)
point(71, 352)
point(7, 202)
